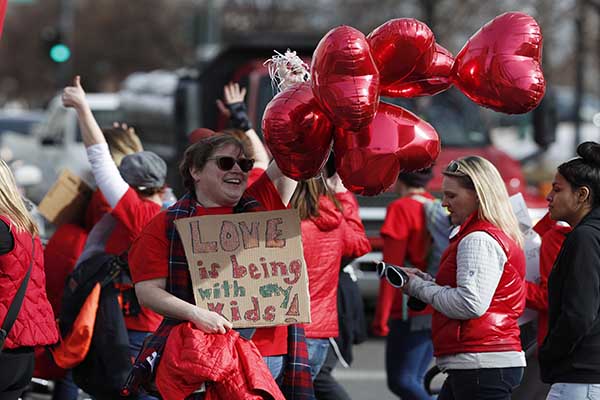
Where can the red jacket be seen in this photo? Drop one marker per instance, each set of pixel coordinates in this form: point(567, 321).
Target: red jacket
point(496, 330)
point(327, 239)
point(232, 365)
point(553, 236)
point(35, 324)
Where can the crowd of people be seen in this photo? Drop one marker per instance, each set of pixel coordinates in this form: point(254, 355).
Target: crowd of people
point(462, 308)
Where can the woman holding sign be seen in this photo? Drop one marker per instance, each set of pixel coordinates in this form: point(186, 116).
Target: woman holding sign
point(479, 291)
point(215, 173)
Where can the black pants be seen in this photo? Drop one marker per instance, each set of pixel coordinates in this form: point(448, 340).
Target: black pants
point(16, 369)
point(325, 385)
point(481, 384)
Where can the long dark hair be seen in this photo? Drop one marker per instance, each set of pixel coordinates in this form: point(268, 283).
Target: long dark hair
point(584, 170)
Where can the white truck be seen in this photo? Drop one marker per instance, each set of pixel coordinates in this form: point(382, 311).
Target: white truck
point(56, 142)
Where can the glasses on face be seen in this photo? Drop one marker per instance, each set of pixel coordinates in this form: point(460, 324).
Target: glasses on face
point(226, 163)
point(393, 273)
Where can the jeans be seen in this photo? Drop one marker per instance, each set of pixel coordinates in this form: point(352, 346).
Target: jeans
point(408, 355)
point(325, 385)
point(65, 389)
point(136, 340)
point(317, 352)
point(574, 391)
point(481, 384)
point(275, 365)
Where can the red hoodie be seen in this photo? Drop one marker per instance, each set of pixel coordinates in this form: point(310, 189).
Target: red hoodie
point(327, 239)
point(553, 236)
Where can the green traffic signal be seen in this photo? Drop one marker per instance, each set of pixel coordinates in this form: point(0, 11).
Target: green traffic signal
point(60, 53)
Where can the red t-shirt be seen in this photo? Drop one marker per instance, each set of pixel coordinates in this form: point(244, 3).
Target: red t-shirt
point(133, 213)
point(405, 238)
point(254, 174)
point(97, 207)
point(149, 257)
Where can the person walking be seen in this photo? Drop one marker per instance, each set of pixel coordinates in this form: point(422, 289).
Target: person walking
point(331, 230)
point(479, 291)
point(570, 355)
point(406, 241)
point(21, 268)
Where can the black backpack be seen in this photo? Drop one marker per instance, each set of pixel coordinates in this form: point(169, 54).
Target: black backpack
point(105, 368)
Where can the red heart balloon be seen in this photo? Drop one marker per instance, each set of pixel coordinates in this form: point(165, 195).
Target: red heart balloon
point(370, 160)
point(398, 46)
point(425, 80)
point(500, 66)
point(297, 132)
point(345, 80)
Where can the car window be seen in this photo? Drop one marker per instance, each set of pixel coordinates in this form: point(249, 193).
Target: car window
point(458, 121)
point(105, 119)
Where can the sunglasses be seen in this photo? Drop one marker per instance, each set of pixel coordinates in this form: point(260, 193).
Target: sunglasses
point(226, 163)
point(454, 168)
point(393, 273)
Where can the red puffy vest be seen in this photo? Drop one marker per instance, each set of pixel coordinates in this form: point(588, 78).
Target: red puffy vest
point(35, 323)
point(497, 330)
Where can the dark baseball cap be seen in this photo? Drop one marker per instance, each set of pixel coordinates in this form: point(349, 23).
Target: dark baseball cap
point(143, 170)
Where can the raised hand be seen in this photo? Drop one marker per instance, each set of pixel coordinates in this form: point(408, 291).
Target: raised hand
point(74, 96)
point(232, 95)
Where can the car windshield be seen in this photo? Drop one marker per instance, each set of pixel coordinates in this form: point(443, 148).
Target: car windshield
point(458, 121)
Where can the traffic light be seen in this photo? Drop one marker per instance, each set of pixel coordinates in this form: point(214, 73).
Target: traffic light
point(54, 46)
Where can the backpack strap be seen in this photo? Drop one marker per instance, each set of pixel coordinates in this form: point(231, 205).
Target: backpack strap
point(15, 305)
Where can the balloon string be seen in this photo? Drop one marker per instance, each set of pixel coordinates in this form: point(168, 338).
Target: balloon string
point(286, 70)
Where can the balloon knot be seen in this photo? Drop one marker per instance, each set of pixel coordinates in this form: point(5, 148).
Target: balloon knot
point(286, 70)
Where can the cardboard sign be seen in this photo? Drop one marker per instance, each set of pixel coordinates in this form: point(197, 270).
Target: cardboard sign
point(531, 248)
point(248, 267)
point(66, 200)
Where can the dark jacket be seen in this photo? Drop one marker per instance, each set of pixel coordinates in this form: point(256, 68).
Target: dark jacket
point(571, 350)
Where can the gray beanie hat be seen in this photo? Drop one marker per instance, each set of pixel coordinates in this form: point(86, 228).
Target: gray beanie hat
point(143, 170)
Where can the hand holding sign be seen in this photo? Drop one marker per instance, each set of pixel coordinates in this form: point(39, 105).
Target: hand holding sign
point(247, 268)
point(209, 321)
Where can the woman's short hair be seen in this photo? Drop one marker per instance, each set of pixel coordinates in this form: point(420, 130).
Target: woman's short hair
point(197, 155)
point(11, 203)
point(416, 179)
point(478, 174)
point(584, 170)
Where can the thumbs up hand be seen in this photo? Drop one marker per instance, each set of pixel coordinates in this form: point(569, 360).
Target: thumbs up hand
point(74, 96)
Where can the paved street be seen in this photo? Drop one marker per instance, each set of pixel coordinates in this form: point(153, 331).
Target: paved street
point(366, 380)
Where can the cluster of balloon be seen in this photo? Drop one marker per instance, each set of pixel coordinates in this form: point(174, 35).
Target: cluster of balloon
point(499, 67)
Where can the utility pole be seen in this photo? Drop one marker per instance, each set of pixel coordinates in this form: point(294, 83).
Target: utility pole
point(66, 29)
point(579, 67)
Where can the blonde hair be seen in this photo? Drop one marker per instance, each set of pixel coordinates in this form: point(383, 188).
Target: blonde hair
point(122, 141)
point(11, 203)
point(494, 205)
